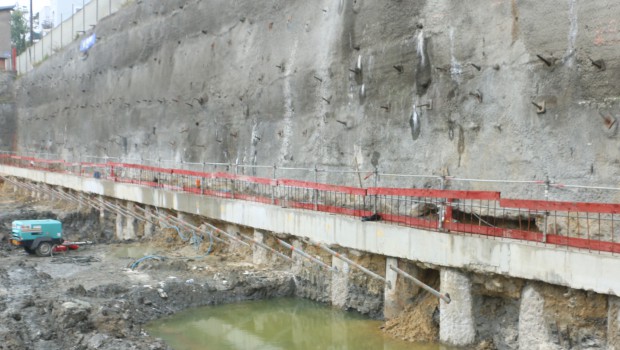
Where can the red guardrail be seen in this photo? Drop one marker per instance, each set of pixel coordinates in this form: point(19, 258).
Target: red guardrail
point(581, 225)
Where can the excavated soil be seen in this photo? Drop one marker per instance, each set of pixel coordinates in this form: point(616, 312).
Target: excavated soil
point(91, 299)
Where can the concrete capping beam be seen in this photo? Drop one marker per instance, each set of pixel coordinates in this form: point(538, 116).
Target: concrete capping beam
point(578, 269)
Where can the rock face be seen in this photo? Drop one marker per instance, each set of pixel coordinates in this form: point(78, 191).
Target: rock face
point(8, 120)
point(343, 82)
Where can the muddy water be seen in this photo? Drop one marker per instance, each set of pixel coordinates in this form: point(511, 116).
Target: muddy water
point(274, 324)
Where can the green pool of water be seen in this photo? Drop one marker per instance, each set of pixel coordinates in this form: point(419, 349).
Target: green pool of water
point(274, 324)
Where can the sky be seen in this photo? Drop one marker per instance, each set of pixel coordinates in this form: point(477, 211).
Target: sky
point(37, 5)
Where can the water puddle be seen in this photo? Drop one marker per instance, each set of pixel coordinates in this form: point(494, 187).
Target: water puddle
point(288, 323)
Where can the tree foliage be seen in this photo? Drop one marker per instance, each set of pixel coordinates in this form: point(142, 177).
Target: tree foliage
point(19, 29)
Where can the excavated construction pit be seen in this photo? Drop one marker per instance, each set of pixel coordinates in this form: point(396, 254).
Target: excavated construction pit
point(91, 299)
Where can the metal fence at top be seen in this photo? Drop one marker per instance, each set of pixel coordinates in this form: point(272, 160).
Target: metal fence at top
point(592, 226)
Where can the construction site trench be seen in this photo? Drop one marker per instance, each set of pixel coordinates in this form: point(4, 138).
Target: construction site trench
point(103, 295)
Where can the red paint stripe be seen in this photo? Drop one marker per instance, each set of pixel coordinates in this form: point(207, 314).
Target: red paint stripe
point(257, 180)
point(188, 172)
point(494, 231)
point(259, 199)
point(561, 206)
point(327, 209)
point(583, 243)
point(140, 167)
point(421, 192)
point(220, 194)
point(408, 221)
point(322, 187)
point(192, 190)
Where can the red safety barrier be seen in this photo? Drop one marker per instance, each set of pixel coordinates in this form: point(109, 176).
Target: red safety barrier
point(338, 200)
point(422, 192)
point(561, 206)
point(322, 187)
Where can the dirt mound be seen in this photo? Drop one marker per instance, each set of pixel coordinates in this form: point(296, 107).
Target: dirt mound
point(418, 322)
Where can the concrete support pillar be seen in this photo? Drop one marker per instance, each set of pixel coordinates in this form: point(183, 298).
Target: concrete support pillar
point(80, 196)
point(62, 195)
point(101, 210)
point(340, 282)
point(130, 229)
point(391, 306)
point(613, 323)
point(456, 320)
point(46, 195)
point(149, 228)
point(533, 331)
point(118, 232)
point(298, 260)
point(235, 245)
point(259, 255)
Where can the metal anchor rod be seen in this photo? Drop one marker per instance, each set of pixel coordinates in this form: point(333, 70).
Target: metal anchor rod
point(349, 261)
point(444, 297)
point(306, 255)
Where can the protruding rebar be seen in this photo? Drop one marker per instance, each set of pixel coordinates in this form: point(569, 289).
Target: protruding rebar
point(546, 61)
point(540, 108)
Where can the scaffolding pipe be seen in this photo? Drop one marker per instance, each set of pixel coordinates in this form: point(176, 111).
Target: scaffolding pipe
point(444, 297)
point(305, 255)
point(349, 261)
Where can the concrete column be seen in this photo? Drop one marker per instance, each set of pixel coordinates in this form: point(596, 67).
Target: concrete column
point(101, 210)
point(298, 260)
point(259, 255)
point(456, 320)
point(80, 196)
point(46, 195)
point(391, 307)
point(118, 232)
point(130, 231)
point(235, 246)
point(613, 323)
point(533, 331)
point(149, 228)
point(340, 282)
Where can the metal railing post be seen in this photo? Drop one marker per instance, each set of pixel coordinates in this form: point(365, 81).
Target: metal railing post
point(547, 187)
point(375, 197)
point(445, 207)
point(274, 186)
point(315, 192)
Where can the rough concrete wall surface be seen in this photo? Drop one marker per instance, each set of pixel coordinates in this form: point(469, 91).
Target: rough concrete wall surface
point(8, 114)
point(344, 82)
point(533, 332)
point(613, 323)
point(456, 320)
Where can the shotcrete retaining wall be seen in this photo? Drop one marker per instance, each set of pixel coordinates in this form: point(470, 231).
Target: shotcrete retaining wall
point(344, 83)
